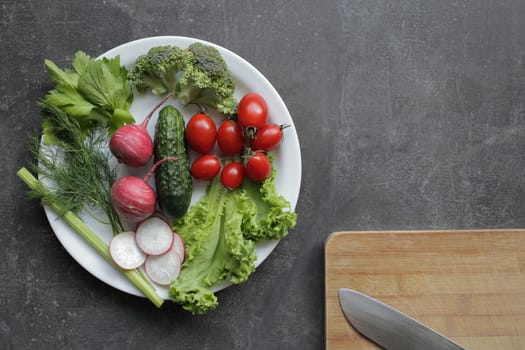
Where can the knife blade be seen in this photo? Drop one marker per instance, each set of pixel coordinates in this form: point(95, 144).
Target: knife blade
point(387, 326)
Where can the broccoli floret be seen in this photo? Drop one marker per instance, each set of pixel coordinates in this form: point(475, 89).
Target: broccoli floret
point(209, 60)
point(157, 70)
point(197, 74)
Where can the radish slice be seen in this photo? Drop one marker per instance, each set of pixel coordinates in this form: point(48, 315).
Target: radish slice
point(154, 236)
point(163, 269)
point(125, 252)
point(179, 246)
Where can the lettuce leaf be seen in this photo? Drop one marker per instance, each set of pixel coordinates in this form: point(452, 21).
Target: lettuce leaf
point(220, 232)
point(272, 216)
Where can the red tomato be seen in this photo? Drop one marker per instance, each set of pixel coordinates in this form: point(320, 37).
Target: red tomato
point(268, 137)
point(201, 133)
point(232, 175)
point(205, 167)
point(258, 167)
point(229, 138)
point(252, 111)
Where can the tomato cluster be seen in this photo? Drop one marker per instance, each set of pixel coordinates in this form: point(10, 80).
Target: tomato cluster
point(246, 135)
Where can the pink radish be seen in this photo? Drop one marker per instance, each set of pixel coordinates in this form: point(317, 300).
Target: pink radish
point(133, 198)
point(154, 236)
point(125, 252)
point(162, 269)
point(132, 144)
point(179, 246)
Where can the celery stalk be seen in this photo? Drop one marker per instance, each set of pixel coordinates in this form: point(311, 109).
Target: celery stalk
point(134, 276)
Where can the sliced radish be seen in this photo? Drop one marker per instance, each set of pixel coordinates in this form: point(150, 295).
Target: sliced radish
point(125, 252)
point(162, 269)
point(154, 236)
point(179, 246)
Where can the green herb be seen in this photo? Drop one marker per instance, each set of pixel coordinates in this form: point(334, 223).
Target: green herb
point(134, 276)
point(95, 93)
point(76, 167)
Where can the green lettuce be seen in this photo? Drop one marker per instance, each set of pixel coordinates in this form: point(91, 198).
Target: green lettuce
point(272, 216)
point(220, 232)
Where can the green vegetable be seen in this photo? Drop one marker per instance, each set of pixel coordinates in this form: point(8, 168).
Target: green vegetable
point(220, 232)
point(197, 74)
point(94, 92)
point(77, 166)
point(272, 216)
point(173, 179)
point(134, 276)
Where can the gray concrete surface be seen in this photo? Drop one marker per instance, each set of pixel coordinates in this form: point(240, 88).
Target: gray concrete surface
point(410, 115)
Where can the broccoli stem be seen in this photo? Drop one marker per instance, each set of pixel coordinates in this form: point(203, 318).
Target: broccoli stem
point(134, 276)
point(188, 93)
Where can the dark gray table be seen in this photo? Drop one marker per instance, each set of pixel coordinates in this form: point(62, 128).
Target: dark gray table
point(410, 114)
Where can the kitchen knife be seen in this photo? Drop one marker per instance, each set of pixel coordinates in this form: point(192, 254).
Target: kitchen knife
point(387, 326)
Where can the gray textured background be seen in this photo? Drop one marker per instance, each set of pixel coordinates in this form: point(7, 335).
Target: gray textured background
point(410, 115)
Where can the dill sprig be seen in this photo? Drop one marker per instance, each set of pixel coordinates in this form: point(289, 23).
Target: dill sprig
point(74, 166)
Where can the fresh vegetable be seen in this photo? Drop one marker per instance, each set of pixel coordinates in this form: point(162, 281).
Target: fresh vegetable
point(252, 111)
point(205, 167)
point(132, 144)
point(133, 198)
point(273, 215)
point(201, 133)
point(258, 167)
point(154, 236)
point(232, 175)
point(76, 166)
point(94, 93)
point(215, 249)
point(125, 252)
point(173, 179)
point(268, 137)
point(154, 245)
point(220, 232)
point(179, 246)
point(162, 269)
point(197, 74)
point(230, 138)
point(134, 276)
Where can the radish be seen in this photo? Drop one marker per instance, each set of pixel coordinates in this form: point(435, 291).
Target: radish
point(162, 269)
point(132, 144)
point(179, 246)
point(133, 198)
point(125, 252)
point(154, 236)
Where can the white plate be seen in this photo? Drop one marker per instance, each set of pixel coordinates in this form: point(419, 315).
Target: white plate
point(248, 79)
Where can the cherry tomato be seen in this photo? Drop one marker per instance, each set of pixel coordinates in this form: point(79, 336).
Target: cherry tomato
point(252, 111)
point(229, 138)
point(268, 137)
point(258, 167)
point(201, 133)
point(205, 167)
point(232, 175)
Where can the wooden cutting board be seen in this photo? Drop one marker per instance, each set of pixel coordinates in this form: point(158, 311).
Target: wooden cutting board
point(467, 285)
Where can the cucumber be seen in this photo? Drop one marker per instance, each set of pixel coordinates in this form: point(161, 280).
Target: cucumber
point(172, 178)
